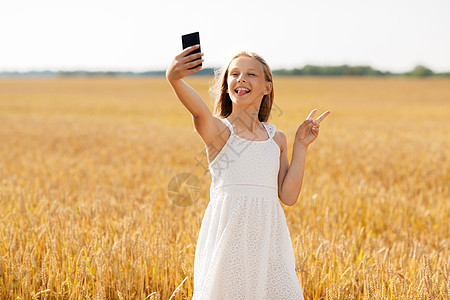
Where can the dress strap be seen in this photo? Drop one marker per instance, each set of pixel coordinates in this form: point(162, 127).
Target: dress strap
point(225, 120)
point(271, 129)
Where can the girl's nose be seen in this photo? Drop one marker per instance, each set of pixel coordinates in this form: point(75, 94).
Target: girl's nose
point(241, 79)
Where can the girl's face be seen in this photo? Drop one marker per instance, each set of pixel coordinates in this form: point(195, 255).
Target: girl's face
point(246, 81)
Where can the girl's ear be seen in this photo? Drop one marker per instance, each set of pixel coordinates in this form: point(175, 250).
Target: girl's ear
point(268, 88)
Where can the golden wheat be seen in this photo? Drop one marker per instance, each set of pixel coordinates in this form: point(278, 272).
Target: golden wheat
point(85, 166)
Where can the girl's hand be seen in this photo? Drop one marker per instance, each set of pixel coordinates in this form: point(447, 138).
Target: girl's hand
point(308, 131)
point(183, 62)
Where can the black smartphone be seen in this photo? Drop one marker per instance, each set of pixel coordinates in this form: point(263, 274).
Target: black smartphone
point(191, 39)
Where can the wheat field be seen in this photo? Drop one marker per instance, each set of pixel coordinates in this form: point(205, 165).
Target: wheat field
point(86, 208)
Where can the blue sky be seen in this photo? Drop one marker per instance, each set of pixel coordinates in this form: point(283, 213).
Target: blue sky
point(137, 35)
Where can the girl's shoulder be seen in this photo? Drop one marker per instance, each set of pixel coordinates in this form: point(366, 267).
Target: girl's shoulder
point(280, 138)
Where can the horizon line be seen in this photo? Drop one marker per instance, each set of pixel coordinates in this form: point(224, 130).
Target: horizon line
point(62, 70)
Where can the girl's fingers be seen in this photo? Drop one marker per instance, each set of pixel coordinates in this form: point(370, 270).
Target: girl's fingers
point(322, 116)
point(188, 50)
point(191, 57)
point(315, 131)
point(311, 114)
point(194, 70)
point(193, 63)
point(319, 119)
point(305, 123)
point(198, 68)
point(190, 60)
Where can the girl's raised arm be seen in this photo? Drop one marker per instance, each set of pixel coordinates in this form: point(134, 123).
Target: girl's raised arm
point(181, 67)
point(206, 125)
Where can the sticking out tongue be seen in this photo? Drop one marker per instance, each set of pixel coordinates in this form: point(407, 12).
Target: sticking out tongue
point(242, 92)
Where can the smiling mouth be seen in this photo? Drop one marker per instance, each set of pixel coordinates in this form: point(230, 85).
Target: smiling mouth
point(242, 91)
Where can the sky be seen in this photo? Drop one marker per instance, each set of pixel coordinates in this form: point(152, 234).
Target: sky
point(138, 35)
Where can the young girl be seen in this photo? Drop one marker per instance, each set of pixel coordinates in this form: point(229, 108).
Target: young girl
point(244, 249)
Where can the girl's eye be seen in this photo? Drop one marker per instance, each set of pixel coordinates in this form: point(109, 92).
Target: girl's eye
point(234, 74)
point(251, 74)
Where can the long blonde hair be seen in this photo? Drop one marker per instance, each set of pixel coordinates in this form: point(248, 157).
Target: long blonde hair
point(222, 101)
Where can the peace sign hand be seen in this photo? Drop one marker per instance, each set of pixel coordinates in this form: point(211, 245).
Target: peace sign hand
point(308, 131)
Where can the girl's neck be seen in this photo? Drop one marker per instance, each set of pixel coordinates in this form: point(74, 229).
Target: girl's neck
point(244, 121)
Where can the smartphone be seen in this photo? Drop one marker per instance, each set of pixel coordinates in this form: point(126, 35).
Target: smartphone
point(191, 39)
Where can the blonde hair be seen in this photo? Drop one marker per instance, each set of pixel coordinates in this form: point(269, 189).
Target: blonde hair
point(222, 101)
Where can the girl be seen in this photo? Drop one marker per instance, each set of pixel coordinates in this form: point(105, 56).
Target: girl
point(244, 249)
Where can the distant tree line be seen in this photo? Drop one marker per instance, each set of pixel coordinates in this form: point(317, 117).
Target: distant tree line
point(343, 70)
point(346, 70)
point(308, 70)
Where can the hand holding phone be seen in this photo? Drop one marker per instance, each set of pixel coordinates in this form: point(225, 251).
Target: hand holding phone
point(192, 39)
point(188, 61)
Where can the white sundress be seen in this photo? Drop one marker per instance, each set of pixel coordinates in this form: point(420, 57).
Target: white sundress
point(244, 249)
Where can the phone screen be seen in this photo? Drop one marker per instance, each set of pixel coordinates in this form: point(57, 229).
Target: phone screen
point(191, 39)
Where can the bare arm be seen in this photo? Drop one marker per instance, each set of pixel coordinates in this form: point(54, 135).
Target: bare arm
point(187, 95)
point(291, 176)
point(205, 123)
point(291, 182)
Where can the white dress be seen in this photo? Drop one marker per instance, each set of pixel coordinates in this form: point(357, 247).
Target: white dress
point(244, 249)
